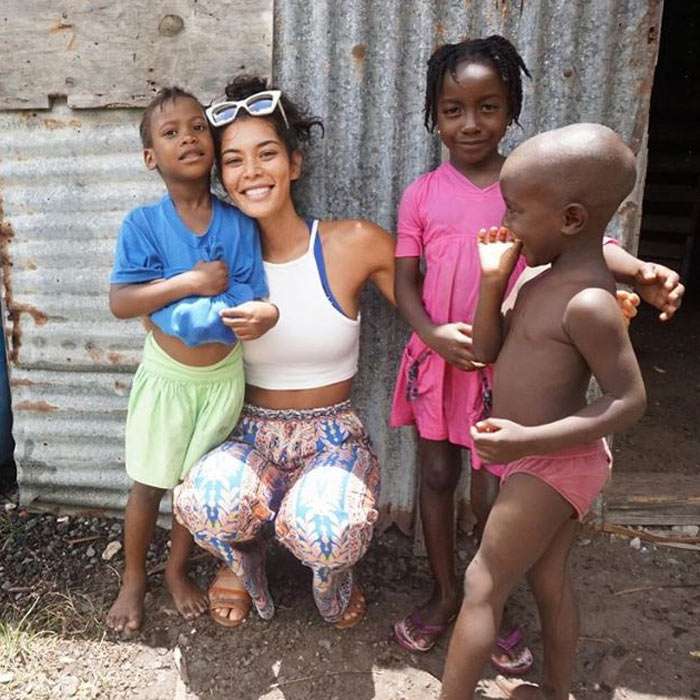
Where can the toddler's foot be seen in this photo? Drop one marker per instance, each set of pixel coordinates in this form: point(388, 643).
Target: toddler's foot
point(189, 600)
point(126, 613)
point(521, 690)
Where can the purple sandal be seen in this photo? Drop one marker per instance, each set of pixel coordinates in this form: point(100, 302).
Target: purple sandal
point(513, 646)
point(414, 635)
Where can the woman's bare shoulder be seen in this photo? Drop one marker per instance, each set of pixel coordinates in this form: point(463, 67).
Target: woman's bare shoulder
point(354, 233)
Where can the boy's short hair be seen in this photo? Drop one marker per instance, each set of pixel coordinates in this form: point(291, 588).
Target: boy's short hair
point(165, 94)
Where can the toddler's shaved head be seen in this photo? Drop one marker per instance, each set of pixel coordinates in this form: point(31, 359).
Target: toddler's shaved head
point(584, 163)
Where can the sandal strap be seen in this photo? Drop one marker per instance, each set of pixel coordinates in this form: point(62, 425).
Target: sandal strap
point(509, 641)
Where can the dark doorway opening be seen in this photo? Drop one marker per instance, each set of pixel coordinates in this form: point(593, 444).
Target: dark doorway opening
point(657, 461)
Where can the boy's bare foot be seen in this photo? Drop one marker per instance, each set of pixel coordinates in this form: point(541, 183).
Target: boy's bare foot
point(126, 613)
point(189, 600)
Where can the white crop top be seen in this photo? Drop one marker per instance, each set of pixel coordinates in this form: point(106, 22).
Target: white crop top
point(313, 344)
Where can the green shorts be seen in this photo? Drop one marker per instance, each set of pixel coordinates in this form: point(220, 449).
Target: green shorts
point(177, 413)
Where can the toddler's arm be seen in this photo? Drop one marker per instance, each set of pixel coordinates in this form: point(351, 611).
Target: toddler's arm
point(132, 300)
point(498, 255)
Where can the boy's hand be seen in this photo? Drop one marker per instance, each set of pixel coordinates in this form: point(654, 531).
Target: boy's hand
point(498, 252)
point(209, 278)
point(250, 319)
point(628, 303)
point(453, 342)
point(661, 287)
point(499, 441)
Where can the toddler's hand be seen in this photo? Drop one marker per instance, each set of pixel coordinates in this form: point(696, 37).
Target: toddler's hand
point(453, 342)
point(498, 252)
point(499, 441)
point(250, 319)
point(209, 278)
point(628, 303)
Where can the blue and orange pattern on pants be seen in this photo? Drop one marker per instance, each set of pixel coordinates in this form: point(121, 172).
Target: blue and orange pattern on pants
point(313, 472)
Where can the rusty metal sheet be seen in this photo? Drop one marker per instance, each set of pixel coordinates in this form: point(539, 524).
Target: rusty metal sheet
point(121, 53)
point(590, 61)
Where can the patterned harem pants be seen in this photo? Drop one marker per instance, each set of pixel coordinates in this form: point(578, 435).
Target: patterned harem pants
point(313, 472)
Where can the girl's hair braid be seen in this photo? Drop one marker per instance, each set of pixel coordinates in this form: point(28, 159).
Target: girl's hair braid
point(494, 49)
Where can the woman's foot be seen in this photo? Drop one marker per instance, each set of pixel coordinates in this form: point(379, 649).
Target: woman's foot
point(421, 629)
point(355, 611)
point(229, 602)
point(190, 601)
point(126, 613)
point(511, 655)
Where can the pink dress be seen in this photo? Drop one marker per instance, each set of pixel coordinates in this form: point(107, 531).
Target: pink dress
point(439, 217)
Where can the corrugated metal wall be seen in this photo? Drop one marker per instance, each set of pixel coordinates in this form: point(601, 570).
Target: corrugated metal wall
point(67, 177)
point(361, 65)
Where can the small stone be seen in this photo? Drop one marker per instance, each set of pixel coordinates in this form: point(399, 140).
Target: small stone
point(90, 552)
point(7, 677)
point(636, 543)
point(10, 506)
point(324, 644)
point(111, 549)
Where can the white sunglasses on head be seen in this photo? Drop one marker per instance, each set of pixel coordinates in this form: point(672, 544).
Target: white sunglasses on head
point(258, 105)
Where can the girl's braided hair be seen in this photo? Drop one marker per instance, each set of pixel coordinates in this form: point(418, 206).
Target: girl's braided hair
point(496, 50)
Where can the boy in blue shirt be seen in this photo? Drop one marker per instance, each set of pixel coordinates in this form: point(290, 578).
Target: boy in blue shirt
point(180, 262)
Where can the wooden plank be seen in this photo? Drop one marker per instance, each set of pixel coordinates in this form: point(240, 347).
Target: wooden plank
point(653, 498)
point(121, 53)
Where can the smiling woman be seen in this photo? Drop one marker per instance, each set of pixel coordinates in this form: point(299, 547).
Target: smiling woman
point(300, 456)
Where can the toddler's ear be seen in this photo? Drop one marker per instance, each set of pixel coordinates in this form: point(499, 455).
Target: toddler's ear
point(574, 218)
point(149, 158)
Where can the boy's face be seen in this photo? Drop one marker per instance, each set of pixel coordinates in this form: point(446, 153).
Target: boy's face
point(182, 144)
point(533, 215)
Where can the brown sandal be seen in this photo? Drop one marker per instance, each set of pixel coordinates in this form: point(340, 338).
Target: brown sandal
point(227, 592)
point(356, 610)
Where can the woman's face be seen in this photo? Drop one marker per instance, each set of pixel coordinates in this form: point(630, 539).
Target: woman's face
point(256, 168)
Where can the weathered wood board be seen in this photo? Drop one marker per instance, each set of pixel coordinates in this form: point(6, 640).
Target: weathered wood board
point(653, 498)
point(109, 54)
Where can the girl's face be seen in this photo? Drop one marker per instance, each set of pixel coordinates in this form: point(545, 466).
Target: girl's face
point(256, 168)
point(473, 114)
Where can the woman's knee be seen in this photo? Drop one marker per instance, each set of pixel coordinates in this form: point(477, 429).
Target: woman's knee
point(222, 496)
point(334, 540)
point(485, 582)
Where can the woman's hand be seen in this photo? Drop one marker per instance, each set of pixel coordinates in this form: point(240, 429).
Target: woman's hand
point(453, 342)
point(499, 441)
point(251, 319)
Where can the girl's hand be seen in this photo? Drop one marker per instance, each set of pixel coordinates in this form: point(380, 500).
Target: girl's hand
point(498, 252)
point(453, 342)
point(499, 441)
point(661, 287)
point(251, 319)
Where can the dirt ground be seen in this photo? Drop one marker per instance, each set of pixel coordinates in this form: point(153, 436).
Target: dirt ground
point(640, 608)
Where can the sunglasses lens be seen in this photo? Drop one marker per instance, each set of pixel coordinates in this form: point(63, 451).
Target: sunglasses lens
point(224, 115)
point(264, 105)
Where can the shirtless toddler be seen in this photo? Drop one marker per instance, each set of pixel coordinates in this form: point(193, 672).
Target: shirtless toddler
point(561, 188)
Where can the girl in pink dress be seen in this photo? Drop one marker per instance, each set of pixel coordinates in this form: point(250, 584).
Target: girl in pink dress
point(474, 91)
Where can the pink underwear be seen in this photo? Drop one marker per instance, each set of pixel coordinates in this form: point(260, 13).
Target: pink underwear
point(577, 473)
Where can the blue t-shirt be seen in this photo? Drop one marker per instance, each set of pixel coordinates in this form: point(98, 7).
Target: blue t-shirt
point(154, 243)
